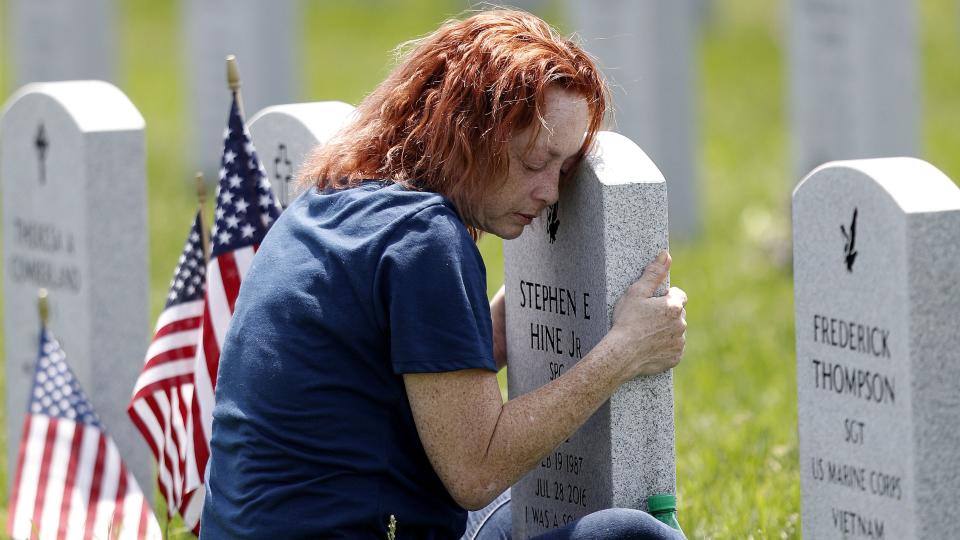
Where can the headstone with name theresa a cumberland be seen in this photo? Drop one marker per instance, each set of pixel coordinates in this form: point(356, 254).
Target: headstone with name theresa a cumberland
point(563, 277)
point(73, 174)
point(876, 274)
point(285, 134)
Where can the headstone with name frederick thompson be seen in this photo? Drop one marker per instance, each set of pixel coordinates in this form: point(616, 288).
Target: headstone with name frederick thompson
point(263, 36)
point(73, 173)
point(57, 40)
point(646, 49)
point(285, 134)
point(563, 277)
point(854, 76)
point(876, 268)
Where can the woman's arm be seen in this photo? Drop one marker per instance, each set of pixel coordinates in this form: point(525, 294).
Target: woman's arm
point(479, 446)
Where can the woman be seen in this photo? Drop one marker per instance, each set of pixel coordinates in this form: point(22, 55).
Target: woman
point(357, 383)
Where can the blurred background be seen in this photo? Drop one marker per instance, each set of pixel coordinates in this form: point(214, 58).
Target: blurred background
point(735, 100)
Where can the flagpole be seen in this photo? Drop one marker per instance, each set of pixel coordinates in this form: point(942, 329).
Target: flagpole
point(43, 306)
point(202, 203)
point(233, 81)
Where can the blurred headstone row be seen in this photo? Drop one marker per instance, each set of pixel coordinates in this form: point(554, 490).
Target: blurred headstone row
point(852, 65)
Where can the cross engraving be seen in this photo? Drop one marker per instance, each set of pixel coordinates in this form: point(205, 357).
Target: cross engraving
point(283, 172)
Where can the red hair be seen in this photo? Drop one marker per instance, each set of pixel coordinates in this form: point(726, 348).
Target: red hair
point(443, 119)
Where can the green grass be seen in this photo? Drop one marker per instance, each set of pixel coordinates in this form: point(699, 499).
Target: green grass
point(737, 462)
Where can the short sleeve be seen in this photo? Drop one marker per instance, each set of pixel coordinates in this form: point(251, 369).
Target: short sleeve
point(432, 284)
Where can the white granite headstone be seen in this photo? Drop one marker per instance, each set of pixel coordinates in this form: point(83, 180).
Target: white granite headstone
point(73, 173)
point(264, 36)
point(563, 277)
point(646, 49)
point(876, 273)
point(285, 134)
point(854, 74)
point(56, 40)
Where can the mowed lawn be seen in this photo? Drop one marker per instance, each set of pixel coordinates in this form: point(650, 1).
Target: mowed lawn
point(737, 461)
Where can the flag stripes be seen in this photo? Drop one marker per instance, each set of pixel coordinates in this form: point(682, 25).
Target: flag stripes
point(173, 400)
point(246, 207)
point(79, 489)
point(160, 407)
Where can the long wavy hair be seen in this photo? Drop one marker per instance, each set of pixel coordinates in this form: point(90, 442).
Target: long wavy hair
point(443, 119)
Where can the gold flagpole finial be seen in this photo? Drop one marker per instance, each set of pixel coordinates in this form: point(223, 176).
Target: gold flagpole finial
point(201, 189)
point(43, 305)
point(233, 73)
point(202, 202)
point(233, 81)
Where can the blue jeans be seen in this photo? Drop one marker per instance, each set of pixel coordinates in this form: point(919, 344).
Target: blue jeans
point(494, 522)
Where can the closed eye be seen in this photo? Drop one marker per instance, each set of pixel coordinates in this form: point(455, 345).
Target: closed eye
point(533, 168)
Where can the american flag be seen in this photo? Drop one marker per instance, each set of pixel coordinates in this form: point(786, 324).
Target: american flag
point(246, 207)
point(160, 405)
point(70, 481)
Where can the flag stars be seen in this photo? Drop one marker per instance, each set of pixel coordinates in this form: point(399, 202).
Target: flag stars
point(244, 193)
point(186, 284)
point(55, 391)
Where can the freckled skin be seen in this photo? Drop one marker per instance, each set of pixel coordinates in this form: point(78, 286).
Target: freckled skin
point(479, 445)
point(533, 178)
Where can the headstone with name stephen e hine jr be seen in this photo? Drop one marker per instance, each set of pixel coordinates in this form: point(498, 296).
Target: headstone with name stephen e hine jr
point(876, 268)
point(285, 134)
point(57, 40)
point(73, 173)
point(563, 277)
point(854, 77)
point(646, 49)
point(264, 36)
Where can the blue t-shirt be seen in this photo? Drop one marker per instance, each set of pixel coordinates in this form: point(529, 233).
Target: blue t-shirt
point(313, 436)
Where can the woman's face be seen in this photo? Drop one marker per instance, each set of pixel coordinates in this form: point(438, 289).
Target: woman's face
point(533, 178)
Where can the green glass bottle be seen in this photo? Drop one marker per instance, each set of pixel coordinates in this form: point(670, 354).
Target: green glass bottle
point(663, 506)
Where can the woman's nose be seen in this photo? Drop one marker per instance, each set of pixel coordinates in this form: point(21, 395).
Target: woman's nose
point(548, 186)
